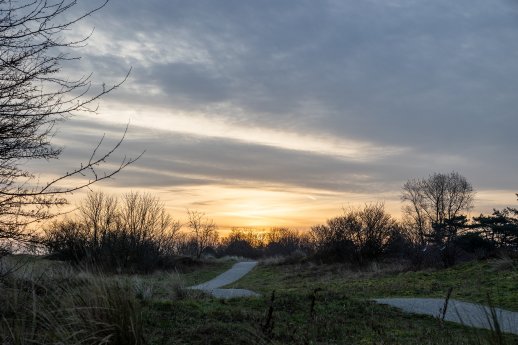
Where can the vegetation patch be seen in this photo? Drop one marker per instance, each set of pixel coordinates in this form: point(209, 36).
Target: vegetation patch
point(333, 318)
point(471, 282)
point(300, 304)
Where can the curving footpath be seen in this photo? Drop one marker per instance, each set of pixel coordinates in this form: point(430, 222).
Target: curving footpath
point(469, 314)
point(237, 271)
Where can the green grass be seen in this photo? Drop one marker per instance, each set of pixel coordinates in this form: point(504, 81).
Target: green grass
point(337, 319)
point(206, 271)
point(470, 282)
point(169, 285)
point(342, 313)
point(46, 302)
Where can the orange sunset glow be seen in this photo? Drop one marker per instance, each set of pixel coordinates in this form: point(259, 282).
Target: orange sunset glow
point(260, 130)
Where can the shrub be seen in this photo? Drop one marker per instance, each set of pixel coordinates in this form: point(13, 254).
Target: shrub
point(285, 242)
point(131, 235)
point(242, 243)
point(474, 243)
point(359, 235)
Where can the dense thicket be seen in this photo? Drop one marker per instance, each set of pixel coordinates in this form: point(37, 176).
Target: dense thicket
point(358, 235)
point(277, 242)
point(130, 234)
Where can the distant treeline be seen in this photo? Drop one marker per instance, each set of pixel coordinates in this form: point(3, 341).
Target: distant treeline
point(133, 233)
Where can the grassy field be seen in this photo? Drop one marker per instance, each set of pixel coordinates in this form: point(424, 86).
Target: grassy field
point(471, 282)
point(312, 304)
point(316, 304)
point(167, 285)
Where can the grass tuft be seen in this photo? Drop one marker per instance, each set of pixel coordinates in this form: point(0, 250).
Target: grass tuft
point(83, 310)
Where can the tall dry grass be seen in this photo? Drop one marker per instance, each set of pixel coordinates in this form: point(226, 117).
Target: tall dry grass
point(81, 309)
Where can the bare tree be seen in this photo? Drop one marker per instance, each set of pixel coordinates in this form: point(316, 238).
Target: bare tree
point(436, 206)
point(437, 199)
point(413, 211)
point(99, 213)
point(377, 228)
point(144, 217)
point(358, 234)
point(203, 231)
point(131, 233)
point(34, 98)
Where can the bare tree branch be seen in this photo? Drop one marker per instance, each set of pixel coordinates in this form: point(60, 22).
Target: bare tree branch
point(34, 98)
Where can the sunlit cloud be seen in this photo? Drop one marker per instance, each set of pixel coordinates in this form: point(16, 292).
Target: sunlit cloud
point(333, 103)
point(211, 126)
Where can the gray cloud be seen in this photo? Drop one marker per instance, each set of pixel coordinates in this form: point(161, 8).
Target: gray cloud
point(175, 160)
point(362, 62)
point(437, 77)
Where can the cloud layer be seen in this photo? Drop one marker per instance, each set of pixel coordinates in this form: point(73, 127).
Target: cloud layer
point(367, 94)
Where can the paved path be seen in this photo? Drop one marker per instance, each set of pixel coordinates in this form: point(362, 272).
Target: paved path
point(470, 314)
point(228, 277)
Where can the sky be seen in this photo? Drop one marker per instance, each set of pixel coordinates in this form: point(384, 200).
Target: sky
point(279, 113)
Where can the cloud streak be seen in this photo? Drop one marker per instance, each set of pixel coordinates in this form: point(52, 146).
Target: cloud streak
point(334, 97)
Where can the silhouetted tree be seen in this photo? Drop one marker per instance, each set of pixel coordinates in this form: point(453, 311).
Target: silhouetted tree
point(360, 234)
point(132, 233)
point(331, 242)
point(203, 231)
point(242, 242)
point(34, 97)
point(436, 205)
point(501, 228)
point(284, 241)
point(99, 213)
